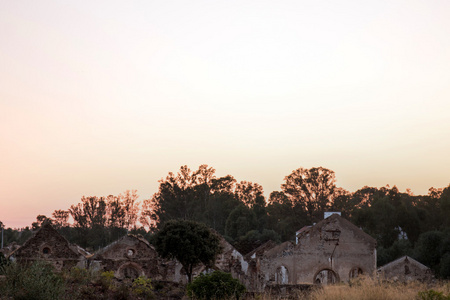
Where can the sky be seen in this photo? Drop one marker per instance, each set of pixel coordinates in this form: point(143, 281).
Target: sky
point(98, 97)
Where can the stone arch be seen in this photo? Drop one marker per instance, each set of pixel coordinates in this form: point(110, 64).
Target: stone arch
point(355, 272)
point(282, 275)
point(129, 270)
point(325, 277)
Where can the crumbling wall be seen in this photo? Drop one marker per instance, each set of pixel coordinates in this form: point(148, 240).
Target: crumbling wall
point(406, 269)
point(48, 245)
point(333, 250)
point(129, 257)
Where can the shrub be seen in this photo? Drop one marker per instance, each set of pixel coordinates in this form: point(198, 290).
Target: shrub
point(80, 275)
point(142, 287)
point(217, 285)
point(35, 282)
point(432, 295)
point(106, 278)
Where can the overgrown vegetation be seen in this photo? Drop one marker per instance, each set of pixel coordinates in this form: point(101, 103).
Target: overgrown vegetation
point(34, 282)
point(402, 223)
point(39, 281)
point(191, 243)
point(217, 285)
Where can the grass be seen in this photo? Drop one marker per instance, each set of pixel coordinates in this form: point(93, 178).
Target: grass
point(371, 289)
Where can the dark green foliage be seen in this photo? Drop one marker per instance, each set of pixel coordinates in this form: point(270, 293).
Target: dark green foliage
point(217, 285)
point(193, 195)
point(240, 221)
point(445, 266)
point(432, 295)
point(429, 248)
point(35, 282)
point(191, 243)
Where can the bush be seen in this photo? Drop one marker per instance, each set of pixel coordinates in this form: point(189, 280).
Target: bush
point(432, 295)
point(34, 282)
point(106, 279)
point(217, 285)
point(142, 287)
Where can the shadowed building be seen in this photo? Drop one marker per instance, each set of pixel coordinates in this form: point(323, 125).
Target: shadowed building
point(333, 250)
point(405, 269)
point(129, 257)
point(48, 245)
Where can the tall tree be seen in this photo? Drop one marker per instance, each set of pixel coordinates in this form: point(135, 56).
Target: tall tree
point(252, 195)
point(191, 195)
point(60, 218)
point(191, 243)
point(285, 216)
point(130, 207)
point(313, 188)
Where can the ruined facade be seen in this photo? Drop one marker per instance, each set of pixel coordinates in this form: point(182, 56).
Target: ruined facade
point(405, 269)
point(333, 250)
point(129, 257)
point(48, 245)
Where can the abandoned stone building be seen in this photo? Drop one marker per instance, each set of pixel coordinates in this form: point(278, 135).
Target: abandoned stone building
point(405, 269)
point(132, 256)
point(332, 250)
point(129, 257)
point(48, 245)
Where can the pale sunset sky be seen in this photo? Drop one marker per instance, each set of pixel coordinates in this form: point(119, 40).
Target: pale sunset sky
point(97, 97)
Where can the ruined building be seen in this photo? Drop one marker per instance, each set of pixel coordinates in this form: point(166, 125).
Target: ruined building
point(405, 269)
point(332, 250)
point(129, 257)
point(48, 245)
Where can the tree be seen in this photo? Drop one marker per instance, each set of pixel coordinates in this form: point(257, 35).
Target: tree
point(313, 188)
point(429, 249)
point(285, 216)
point(90, 219)
point(191, 195)
point(191, 243)
point(60, 218)
point(252, 195)
point(40, 219)
point(130, 208)
point(240, 221)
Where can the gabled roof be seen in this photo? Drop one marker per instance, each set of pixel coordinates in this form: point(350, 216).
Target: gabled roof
point(343, 223)
point(303, 229)
point(47, 230)
point(404, 260)
point(261, 249)
point(278, 249)
point(122, 240)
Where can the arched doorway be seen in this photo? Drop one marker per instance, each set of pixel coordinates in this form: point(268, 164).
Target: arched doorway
point(325, 276)
point(129, 271)
point(282, 275)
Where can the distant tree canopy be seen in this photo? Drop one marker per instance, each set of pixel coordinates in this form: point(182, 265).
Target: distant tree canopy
point(401, 222)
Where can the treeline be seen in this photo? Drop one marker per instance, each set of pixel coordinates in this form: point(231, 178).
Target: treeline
point(402, 223)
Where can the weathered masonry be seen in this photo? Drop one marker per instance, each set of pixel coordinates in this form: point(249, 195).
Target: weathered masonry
point(331, 251)
point(405, 269)
point(48, 245)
